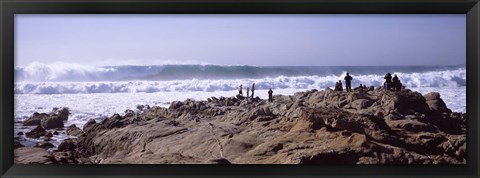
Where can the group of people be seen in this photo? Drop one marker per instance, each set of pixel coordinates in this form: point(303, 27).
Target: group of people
point(348, 84)
point(270, 92)
point(391, 83)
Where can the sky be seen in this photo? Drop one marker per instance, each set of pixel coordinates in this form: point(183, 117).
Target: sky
point(259, 40)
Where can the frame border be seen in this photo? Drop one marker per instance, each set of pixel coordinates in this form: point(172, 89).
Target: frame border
point(8, 8)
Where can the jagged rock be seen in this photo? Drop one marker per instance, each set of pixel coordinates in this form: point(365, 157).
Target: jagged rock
point(37, 132)
point(52, 122)
point(35, 119)
point(61, 113)
point(90, 126)
point(67, 145)
point(311, 127)
point(74, 130)
point(435, 103)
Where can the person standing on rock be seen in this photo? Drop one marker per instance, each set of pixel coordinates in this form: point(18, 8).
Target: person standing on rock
point(270, 95)
point(253, 89)
point(388, 81)
point(248, 91)
point(240, 92)
point(340, 85)
point(348, 82)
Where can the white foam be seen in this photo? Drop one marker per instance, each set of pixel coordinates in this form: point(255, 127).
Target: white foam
point(449, 78)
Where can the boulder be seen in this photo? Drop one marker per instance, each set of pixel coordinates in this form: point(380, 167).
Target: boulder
point(37, 132)
point(67, 145)
point(435, 103)
point(73, 130)
point(404, 102)
point(62, 113)
point(35, 119)
point(52, 122)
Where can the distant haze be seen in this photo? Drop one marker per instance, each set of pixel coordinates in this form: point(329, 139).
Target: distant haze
point(259, 40)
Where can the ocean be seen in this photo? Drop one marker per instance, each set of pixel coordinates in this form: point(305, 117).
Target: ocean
point(98, 92)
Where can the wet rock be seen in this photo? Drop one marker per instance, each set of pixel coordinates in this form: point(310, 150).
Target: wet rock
point(61, 113)
point(52, 122)
point(35, 119)
point(37, 132)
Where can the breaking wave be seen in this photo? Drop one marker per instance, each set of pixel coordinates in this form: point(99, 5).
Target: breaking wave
point(68, 72)
point(435, 78)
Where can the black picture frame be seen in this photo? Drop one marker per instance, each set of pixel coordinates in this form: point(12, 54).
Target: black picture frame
point(11, 7)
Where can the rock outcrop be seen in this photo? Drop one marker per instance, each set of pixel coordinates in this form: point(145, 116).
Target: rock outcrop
point(313, 127)
point(51, 120)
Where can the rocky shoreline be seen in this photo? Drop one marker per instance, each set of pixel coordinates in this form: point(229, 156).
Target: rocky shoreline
point(312, 127)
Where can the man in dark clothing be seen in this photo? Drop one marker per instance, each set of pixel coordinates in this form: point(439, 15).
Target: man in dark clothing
point(340, 85)
point(399, 86)
point(240, 90)
point(253, 89)
point(270, 95)
point(248, 90)
point(388, 81)
point(348, 82)
point(395, 82)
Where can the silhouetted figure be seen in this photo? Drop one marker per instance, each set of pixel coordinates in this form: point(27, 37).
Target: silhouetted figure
point(270, 95)
point(337, 86)
point(359, 87)
point(240, 92)
point(253, 89)
point(340, 85)
point(248, 90)
point(398, 86)
point(395, 82)
point(348, 82)
point(388, 81)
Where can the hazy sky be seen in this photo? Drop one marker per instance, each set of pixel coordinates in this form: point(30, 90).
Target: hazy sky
point(263, 40)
